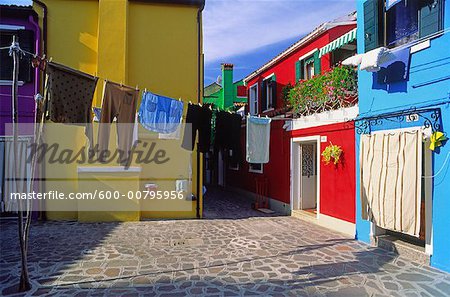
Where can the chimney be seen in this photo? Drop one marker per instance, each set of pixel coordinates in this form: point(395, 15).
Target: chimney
point(227, 84)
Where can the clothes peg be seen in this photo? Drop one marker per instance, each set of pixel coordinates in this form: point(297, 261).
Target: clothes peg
point(145, 90)
point(179, 99)
point(121, 85)
point(190, 102)
point(137, 87)
point(200, 104)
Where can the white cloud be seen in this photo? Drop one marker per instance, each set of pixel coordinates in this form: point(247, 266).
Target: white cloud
point(233, 27)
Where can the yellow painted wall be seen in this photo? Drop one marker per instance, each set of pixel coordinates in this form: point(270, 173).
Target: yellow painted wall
point(153, 46)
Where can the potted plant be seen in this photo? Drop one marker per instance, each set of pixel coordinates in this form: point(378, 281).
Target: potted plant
point(332, 153)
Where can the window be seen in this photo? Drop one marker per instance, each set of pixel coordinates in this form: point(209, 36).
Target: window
point(309, 69)
point(255, 167)
point(268, 93)
point(254, 99)
point(401, 23)
point(26, 42)
point(308, 66)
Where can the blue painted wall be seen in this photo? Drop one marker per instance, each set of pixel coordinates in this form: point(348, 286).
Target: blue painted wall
point(426, 65)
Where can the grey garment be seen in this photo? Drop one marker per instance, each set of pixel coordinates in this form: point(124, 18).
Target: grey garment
point(69, 94)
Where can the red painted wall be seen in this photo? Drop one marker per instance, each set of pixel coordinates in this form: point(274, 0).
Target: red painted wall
point(337, 183)
point(276, 171)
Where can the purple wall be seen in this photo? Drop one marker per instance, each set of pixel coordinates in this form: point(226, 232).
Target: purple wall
point(26, 106)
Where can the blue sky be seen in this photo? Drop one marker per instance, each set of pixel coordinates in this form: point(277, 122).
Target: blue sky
point(248, 33)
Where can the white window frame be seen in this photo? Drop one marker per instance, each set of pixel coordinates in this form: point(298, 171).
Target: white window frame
point(305, 70)
point(253, 101)
point(260, 171)
point(268, 94)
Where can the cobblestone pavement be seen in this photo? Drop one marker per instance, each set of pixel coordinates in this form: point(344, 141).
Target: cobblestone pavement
point(236, 252)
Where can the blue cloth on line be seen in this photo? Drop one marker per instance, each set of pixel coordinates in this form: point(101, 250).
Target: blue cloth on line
point(160, 114)
point(395, 68)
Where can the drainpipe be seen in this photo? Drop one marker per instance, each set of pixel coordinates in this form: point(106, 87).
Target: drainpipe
point(44, 25)
point(199, 88)
point(42, 214)
point(37, 52)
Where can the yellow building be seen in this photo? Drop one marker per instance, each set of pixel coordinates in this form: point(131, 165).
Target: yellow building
point(151, 44)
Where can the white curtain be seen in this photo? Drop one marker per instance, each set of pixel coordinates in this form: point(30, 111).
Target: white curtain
point(23, 183)
point(391, 171)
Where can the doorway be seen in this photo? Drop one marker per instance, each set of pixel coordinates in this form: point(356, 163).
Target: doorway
point(305, 173)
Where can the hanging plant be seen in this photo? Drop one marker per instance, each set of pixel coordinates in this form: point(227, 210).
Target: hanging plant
point(331, 153)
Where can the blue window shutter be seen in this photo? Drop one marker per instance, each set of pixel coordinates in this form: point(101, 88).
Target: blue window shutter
point(317, 67)
point(371, 30)
point(430, 17)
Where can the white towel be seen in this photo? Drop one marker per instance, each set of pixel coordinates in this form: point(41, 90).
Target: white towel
point(371, 60)
point(353, 60)
point(258, 139)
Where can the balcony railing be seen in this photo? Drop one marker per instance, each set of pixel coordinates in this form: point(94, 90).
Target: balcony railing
point(334, 89)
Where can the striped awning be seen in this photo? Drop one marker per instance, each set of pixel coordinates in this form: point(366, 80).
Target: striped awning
point(337, 43)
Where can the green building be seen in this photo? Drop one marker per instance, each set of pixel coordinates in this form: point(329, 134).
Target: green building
point(229, 95)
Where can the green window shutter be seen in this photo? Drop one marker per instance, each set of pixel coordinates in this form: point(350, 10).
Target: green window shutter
point(431, 17)
point(297, 71)
point(371, 30)
point(263, 101)
point(274, 92)
point(317, 68)
point(302, 70)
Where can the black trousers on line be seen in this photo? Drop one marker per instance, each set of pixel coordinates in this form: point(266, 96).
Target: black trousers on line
point(200, 120)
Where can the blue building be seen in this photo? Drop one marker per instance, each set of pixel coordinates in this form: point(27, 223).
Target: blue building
point(403, 171)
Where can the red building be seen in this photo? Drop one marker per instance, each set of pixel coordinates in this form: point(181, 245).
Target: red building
point(296, 180)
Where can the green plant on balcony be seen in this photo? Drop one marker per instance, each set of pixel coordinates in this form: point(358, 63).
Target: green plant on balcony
point(333, 89)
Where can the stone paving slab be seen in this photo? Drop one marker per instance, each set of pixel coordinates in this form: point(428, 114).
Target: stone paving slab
point(237, 253)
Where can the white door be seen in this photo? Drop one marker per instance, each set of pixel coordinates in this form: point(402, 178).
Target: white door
point(308, 176)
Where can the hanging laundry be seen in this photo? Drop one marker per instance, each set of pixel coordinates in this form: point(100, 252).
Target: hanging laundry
point(258, 139)
point(394, 66)
point(199, 119)
point(97, 113)
point(222, 129)
point(119, 102)
point(228, 134)
point(174, 135)
point(235, 138)
point(371, 60)
point(69, 95)
point(160, 114)
point(436, 139)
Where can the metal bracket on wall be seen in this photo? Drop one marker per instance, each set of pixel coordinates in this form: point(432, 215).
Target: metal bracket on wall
point(431, 119)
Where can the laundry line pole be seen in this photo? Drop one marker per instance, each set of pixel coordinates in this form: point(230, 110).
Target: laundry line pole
point(24, 282)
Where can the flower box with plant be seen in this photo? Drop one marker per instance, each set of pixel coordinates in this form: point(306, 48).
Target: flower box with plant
point(333, 89)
